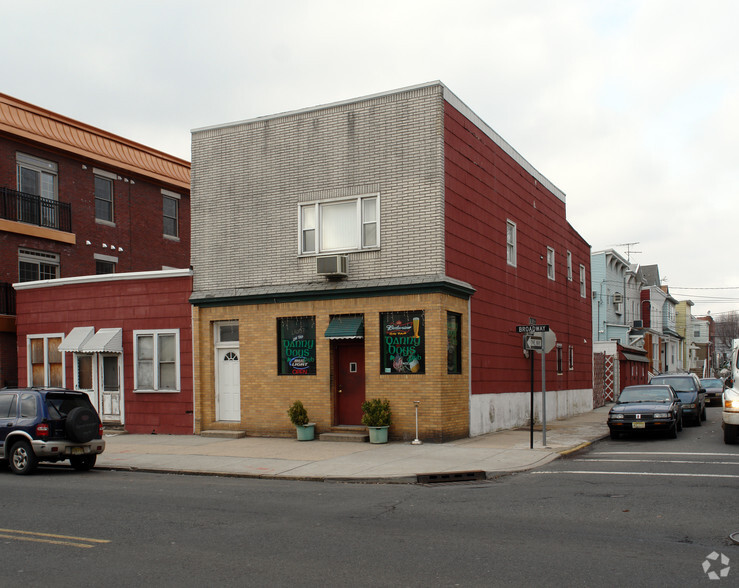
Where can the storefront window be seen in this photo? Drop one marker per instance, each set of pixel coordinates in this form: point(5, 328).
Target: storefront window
point(403, 342)
point(453, 343)
point(296, 337)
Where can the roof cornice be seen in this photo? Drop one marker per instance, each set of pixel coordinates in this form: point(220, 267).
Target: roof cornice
point(49, 129)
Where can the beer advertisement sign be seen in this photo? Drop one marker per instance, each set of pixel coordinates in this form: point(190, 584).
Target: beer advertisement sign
point(403, 342)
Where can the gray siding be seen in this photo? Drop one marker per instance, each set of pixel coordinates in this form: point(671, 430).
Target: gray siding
point(248, 178)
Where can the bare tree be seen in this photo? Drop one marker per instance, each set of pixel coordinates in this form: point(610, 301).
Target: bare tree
point(726, 327)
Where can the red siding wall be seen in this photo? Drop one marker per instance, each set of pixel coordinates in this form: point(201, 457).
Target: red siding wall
point(145, 304)
point(485, 187)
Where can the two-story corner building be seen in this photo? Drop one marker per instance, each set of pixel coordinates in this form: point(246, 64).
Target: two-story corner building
point(381, 247)
point(617, 332)
point(77, 200)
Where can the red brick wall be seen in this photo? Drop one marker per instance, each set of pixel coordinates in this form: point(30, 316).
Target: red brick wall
point(484, 188)
point(145, 304)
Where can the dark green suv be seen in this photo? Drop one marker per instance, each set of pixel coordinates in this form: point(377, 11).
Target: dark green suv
point(49, 424)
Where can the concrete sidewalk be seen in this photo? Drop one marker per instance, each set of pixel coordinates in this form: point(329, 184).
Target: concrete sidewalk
point(394, 462)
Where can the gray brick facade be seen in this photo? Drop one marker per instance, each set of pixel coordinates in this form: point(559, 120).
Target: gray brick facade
point(248, 179)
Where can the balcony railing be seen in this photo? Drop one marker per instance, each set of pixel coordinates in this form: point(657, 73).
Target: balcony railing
point(7, 298)
point(34, 210)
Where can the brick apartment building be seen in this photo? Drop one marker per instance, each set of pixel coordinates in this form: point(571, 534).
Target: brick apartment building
point(385, 246)
point(76, 200)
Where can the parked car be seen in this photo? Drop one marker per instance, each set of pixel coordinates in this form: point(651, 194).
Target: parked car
point(714, 390)
point(692, 395)
point(648, 408)
point(730, 415)
point(48, 425)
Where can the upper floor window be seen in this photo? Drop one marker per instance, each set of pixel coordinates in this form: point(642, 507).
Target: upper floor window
point(170, 213)
point(37, 265)
point(104, 195)
point(511, 243)
point(550, 263)
point(583, 291)
point(340, 225)
point(37, 176)
point(569, 266)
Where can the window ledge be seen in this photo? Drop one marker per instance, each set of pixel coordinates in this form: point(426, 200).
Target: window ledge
point(100, 221)
point(156, 391)
point(171, 238)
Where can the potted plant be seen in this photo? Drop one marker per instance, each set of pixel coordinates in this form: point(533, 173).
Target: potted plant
point(376, 417)
point(299, 417)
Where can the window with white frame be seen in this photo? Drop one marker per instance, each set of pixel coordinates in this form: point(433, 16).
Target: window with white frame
point(571, 358)
point(511, 243)
point(37, 176)
point(157, 365)
point(104, 195)
point(583, 291)
point(569, 266)
point(45, 361)
point(550, 263)
point(559, 358)
point(349, 224)
point(37, 265)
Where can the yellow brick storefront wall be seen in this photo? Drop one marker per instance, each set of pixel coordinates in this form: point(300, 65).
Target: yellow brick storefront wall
point(265, 396)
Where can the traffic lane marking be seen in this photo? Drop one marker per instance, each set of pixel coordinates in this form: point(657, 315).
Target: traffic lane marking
point(688, 461)
point(662, 453)
point(585, 472)
point(69, 540)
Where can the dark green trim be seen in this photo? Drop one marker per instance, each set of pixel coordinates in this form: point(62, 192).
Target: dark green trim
point(451, 289)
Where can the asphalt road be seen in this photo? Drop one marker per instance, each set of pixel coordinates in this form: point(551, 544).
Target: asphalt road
point(637, 512)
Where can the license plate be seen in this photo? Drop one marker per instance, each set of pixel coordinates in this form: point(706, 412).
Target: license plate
point(638, 425)
point(80, 451)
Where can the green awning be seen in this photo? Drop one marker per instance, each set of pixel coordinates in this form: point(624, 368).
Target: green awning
point(346, 327)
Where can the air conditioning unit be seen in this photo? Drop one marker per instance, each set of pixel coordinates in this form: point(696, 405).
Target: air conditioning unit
point(331, 265)
point(618, 298)
point(638, 324)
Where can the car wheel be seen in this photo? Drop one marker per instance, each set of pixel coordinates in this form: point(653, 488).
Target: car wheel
point(672, 433)
point(679, 423)
point(83, 463)
point(82, 424)
point(703, 413)
point(22, 458)
point(730, 434)
point(698, 422)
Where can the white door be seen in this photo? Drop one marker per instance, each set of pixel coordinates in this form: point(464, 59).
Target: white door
point(228, 388)
point(109, 388)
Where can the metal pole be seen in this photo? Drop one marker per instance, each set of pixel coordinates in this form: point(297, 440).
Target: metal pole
point(531, 444)
point(543, 399)
point(416, 441)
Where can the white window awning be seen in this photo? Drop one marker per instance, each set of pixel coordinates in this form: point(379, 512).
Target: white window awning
point(76, 338)
point(104, 341)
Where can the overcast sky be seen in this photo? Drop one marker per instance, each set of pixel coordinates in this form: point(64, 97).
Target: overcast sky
point(629, 107)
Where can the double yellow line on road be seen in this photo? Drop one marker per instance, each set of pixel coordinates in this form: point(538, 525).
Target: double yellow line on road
point(68, 540)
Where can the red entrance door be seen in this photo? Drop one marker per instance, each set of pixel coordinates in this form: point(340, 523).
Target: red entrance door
point(349, 378)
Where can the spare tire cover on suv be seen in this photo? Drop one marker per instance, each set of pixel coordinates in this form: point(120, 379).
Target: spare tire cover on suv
point(82, 424)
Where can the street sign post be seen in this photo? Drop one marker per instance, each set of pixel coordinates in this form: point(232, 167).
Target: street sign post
point(541, 339)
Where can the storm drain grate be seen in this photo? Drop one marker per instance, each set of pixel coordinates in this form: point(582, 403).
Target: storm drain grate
point(446, 477)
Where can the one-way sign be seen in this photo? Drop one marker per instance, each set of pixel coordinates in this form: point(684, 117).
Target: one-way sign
point(532, 328)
